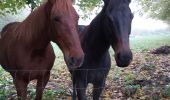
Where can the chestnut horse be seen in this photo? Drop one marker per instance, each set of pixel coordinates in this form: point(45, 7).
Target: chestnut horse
point(111, 27)
point(25, 48)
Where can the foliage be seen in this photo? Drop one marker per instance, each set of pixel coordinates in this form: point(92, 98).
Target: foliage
point(166, 92)
point(159, 9)
point(129, 78)
point(33, 3)
point(88, 6)
point(12, 6)
point(130, 90)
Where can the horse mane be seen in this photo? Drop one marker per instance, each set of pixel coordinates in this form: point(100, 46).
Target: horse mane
point(6, 27)
point(32, 25)
point(64, 5)
point(82, 31)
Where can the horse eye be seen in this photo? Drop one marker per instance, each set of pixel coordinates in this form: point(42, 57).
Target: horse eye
point(78, 17)
point(131, 15)
point(57, 19)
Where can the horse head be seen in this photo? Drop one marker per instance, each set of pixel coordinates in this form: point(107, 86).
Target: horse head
point(63, 20)
point(118, 18)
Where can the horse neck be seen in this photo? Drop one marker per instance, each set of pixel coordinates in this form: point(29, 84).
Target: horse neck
point(34, 29)
point(95, 40)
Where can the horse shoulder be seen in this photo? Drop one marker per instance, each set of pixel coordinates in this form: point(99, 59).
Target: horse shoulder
point(42, 58)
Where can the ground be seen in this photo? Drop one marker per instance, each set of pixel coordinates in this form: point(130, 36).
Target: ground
point(147, 78)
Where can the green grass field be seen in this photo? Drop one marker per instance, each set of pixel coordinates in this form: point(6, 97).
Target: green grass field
point(142, 43)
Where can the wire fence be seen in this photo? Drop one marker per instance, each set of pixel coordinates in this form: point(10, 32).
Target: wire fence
point(59, 84)
point(60, 87)
point(7, 88)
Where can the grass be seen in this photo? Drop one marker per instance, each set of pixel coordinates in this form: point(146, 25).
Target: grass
point(145, 43)
point(138, 44)
point(166, 92)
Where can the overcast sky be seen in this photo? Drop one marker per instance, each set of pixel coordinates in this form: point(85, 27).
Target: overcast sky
point(139, 22)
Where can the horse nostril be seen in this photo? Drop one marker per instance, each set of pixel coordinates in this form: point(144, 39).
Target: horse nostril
point(75, 62)
point(124, 57)
point(130, 56)
point(119, 56)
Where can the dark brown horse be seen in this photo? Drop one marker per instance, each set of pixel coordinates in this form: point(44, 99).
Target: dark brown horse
point(25, 48)
point(111, 27)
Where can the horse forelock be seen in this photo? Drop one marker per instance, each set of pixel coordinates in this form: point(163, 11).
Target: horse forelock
point(62, 6)
point(115, 3)
point(62, 3)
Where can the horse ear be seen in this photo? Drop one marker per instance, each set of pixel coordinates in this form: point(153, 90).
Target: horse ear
point(128, 1)
point(51, 1)
point(106, 1)
point(73, 1)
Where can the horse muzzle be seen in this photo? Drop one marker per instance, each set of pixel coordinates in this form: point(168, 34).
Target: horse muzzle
point(74, 62)
point(123, 59)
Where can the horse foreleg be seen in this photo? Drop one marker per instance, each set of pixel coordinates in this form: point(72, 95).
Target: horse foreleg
point(96, 93)
point(81, 90)
point(97, 89)
point(74, 95)
point(21, 87)
point(41, 83)
point(74, 92)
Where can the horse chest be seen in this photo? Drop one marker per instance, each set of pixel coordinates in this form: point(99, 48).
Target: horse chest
point(21, 59)
point(38, 55)
point(43, 58)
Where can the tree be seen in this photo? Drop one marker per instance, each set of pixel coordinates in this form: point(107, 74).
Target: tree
point(158, 9)
point(87, 7)
point(12, 6)
point(33, 3)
